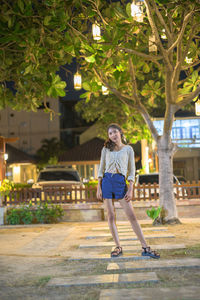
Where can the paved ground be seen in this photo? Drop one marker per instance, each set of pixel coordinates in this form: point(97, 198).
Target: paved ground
point(72, 261)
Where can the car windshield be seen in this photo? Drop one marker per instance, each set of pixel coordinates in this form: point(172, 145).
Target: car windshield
point(58, 176)
point(151, 179)
point(148, 179)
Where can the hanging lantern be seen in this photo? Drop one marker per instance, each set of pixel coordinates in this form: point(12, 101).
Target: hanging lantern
point(137, 10)
point(188, 60)
point(96, 32)
point(163, 35)
point(5, 156)
point(105, 91)
point(197, 107)
point(77, 81)
point(152, 45)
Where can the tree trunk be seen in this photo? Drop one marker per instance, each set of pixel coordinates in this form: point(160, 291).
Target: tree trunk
point(167, 201)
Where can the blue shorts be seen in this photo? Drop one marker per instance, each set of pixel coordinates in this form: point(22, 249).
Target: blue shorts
point(113, 186)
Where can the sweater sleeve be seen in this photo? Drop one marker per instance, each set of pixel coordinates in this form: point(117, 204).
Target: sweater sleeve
point(102, 163)
point(131, 165)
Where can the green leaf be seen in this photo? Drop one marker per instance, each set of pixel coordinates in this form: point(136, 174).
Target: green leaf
point(86, 86)
point(128, 9)
point(146, 68)
point(28, 69)
point(157, 85)
point(47, 20)
point(20, 4)
point(69, 49)
point(195, 76)
point(60, 92)
point(90, 59)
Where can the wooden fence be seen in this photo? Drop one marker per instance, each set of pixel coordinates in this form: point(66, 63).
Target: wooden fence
point(66, 194)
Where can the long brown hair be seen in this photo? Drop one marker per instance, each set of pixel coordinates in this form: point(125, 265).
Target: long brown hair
point(108, 143)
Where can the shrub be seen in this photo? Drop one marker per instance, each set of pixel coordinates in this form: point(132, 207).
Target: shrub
point(153, 213)
point(42, 213)
point(5, 187)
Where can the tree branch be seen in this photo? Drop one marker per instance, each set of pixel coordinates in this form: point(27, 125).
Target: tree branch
point(133, 77)
point(130, 102)
point(98, 12)
point(115, 91)
point(155, 32)
point(141, 108)
point(143, 55)
point(76, 31)
point(162, 21)
point(195, 63)
point(187, 99)
point(180, 36)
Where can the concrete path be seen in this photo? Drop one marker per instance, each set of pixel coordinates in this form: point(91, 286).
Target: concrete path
point(155, 264)
point(104, 279)
point(128, 236)
point(158, 293)
point(40, 258)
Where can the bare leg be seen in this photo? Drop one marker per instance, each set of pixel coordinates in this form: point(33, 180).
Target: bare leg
point(111, 220)
point(128, 208)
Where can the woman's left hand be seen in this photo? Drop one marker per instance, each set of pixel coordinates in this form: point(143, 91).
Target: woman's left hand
point(129, 195)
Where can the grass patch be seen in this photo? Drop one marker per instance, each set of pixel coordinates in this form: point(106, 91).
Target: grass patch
point(189, 251)
point(42, 281)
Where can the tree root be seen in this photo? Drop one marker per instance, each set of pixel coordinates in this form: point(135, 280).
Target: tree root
point(161, 221)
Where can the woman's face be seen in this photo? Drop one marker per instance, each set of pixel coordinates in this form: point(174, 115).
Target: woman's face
point(114, 135)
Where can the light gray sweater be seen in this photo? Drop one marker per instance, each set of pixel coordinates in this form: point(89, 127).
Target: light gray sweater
point(121, 161)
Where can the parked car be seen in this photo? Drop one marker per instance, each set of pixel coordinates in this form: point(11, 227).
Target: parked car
point(181, 179)
point(53, 175)
point(151, 179)
point(59, 176)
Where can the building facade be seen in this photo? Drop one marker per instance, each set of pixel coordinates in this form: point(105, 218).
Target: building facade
point(30, 127)
point(186, 134)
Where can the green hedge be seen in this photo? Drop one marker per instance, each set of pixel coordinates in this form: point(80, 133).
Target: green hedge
point(44, 213)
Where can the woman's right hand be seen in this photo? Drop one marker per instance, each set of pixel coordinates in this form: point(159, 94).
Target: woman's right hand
point(99, 193)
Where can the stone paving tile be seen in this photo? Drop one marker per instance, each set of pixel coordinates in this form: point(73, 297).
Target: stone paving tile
point(108, 244)
point(127, 236)
point(155, 247)
point(168, 236)
point(121, 234)
point(129, 228)
point(104, 279)
point(106, 257)
point(155, 264)
point(171, 293)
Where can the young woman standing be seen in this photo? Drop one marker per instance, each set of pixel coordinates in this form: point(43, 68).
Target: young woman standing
point(117, 163)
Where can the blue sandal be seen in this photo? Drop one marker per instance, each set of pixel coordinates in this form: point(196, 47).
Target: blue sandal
point(148, 252)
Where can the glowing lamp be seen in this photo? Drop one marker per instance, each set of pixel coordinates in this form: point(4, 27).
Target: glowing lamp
point(96, 32)
point(105, 91)
point(77, 81)
point(188, 60)
point(5, 156)
point(197, 107)
point(137, 10)
point(163, 35)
